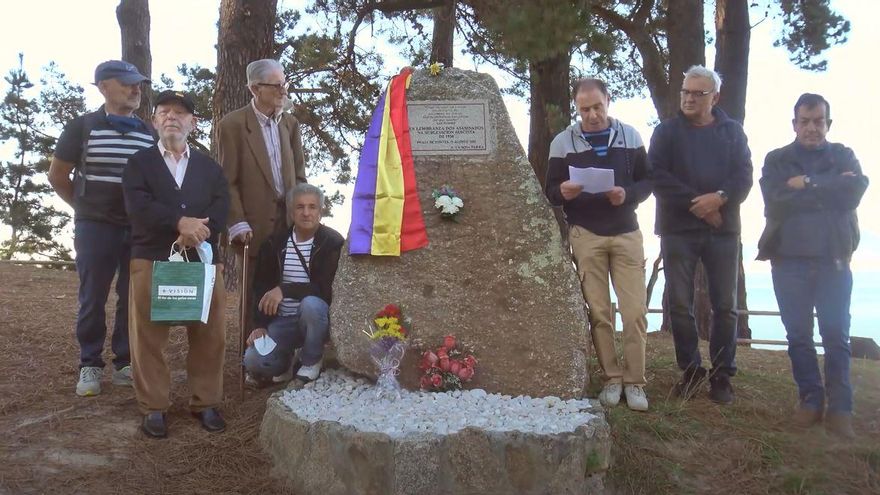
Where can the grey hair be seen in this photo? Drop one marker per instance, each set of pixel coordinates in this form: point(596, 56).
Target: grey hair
point(301, 189)
point(258, 69)
point(700, 71)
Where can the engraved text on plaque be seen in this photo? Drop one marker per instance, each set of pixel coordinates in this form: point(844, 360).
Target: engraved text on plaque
point(453, 127)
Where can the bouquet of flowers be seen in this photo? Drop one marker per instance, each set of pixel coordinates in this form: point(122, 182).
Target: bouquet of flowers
point(447, 201)
point(388, 334)
point(447, 368)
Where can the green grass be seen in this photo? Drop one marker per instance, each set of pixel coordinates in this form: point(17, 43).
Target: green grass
point(696, 446)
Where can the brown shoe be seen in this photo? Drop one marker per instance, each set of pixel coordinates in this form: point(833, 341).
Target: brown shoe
point(804, 417)
point(840, 425)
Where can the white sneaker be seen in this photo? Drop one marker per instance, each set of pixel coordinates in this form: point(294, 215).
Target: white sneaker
point(610, 394)
point(89, 381)
point(122, 376)
point(310, 373)
point(636, 398)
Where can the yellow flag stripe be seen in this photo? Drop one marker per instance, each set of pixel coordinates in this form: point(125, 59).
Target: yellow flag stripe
point(388, 215)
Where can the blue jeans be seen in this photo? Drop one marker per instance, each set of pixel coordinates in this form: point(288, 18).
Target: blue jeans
point(720, 256)
point(308, 330)
point(103, 250)
point(802, 284)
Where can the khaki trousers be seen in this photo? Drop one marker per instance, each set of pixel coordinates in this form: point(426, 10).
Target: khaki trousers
point(148, 341)
point(623, 258)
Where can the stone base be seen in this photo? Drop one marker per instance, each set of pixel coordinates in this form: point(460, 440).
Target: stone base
point(327, 458)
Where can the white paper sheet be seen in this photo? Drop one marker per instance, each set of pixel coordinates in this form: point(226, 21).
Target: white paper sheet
point(594, 180)
point(264, 345)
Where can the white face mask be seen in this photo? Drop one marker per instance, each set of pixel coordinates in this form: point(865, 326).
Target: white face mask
point(205, 252)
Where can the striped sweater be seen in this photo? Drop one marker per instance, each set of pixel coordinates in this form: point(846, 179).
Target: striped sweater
point(105, 152)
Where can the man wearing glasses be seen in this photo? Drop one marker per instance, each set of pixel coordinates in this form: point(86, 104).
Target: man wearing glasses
point(260, 150)
point(702, 170)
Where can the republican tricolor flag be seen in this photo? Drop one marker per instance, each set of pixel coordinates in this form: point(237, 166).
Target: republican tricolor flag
point(386, 217)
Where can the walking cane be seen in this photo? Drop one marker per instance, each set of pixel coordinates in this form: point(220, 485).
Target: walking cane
point(242, 338)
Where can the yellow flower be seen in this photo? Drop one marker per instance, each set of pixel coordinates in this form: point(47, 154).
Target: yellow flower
point(385, 321)
point(388, 332)
point(435, 68)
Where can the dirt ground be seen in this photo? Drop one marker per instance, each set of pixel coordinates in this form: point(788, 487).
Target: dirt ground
point(54, 442)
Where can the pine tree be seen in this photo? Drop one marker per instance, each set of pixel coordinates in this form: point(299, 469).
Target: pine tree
point(27, 122)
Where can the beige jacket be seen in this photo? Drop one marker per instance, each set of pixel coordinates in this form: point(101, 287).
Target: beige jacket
point(242, 153)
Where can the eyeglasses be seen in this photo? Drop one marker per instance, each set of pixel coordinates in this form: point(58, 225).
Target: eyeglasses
point(277, 86)
point(696, 94)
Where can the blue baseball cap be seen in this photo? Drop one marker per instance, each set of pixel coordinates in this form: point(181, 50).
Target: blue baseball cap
point(123, 72)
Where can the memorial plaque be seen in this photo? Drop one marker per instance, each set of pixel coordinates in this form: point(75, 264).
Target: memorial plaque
point(453, 127)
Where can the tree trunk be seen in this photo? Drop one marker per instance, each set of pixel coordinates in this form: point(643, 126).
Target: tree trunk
point(549, 107)
point(444, 34)
point(549, 91)
point(687, 46)
point(733, 36)
point(246, 34)
point(733, 33)
point(134, 25)
point(743, 330)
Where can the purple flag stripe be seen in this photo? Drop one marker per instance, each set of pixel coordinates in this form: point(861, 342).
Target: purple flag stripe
point(363, 204)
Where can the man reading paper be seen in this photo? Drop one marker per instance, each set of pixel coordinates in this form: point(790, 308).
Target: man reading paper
point(604, 233)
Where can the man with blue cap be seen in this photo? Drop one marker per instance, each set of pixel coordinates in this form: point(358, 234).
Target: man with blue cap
point(86, 172)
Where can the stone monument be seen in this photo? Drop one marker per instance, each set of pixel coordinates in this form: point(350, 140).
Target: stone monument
point(497, 277)
point(499, 280)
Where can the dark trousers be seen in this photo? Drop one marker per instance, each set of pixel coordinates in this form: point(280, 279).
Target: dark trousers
point(103, 250)
point(802, 284)
point(720, 256)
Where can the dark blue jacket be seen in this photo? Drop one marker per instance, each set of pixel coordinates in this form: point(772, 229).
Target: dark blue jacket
point(830, 198)
point(687, 161)
point(626, 156)
point(155, 203)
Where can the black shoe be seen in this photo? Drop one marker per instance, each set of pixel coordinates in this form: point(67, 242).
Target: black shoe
point(154, 425)
point(720, 390)
point(211, 420)
point(691, 380)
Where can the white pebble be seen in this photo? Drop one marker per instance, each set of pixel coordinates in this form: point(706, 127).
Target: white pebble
point(337, 396)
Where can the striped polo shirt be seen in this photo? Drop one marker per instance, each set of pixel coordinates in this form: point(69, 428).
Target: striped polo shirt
point(98, 181)
point(293, 272)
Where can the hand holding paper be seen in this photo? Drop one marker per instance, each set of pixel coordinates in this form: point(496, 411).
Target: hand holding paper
point(570, 190)
point(593, 179)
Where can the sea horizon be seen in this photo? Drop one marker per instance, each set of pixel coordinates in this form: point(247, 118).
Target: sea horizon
point(864, 307)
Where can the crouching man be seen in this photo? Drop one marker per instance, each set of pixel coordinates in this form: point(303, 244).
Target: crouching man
point(174, 194)
point(293, 289)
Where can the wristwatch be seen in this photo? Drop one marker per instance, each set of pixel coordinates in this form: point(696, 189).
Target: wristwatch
point(807, 180)
point(721, 193)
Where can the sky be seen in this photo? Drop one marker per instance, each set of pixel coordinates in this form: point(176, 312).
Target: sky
point(79, 35)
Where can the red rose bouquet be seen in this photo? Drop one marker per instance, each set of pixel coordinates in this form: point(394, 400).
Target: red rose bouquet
point(447, 368)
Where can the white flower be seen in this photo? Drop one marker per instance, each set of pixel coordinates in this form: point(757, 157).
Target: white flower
point(448, 205)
